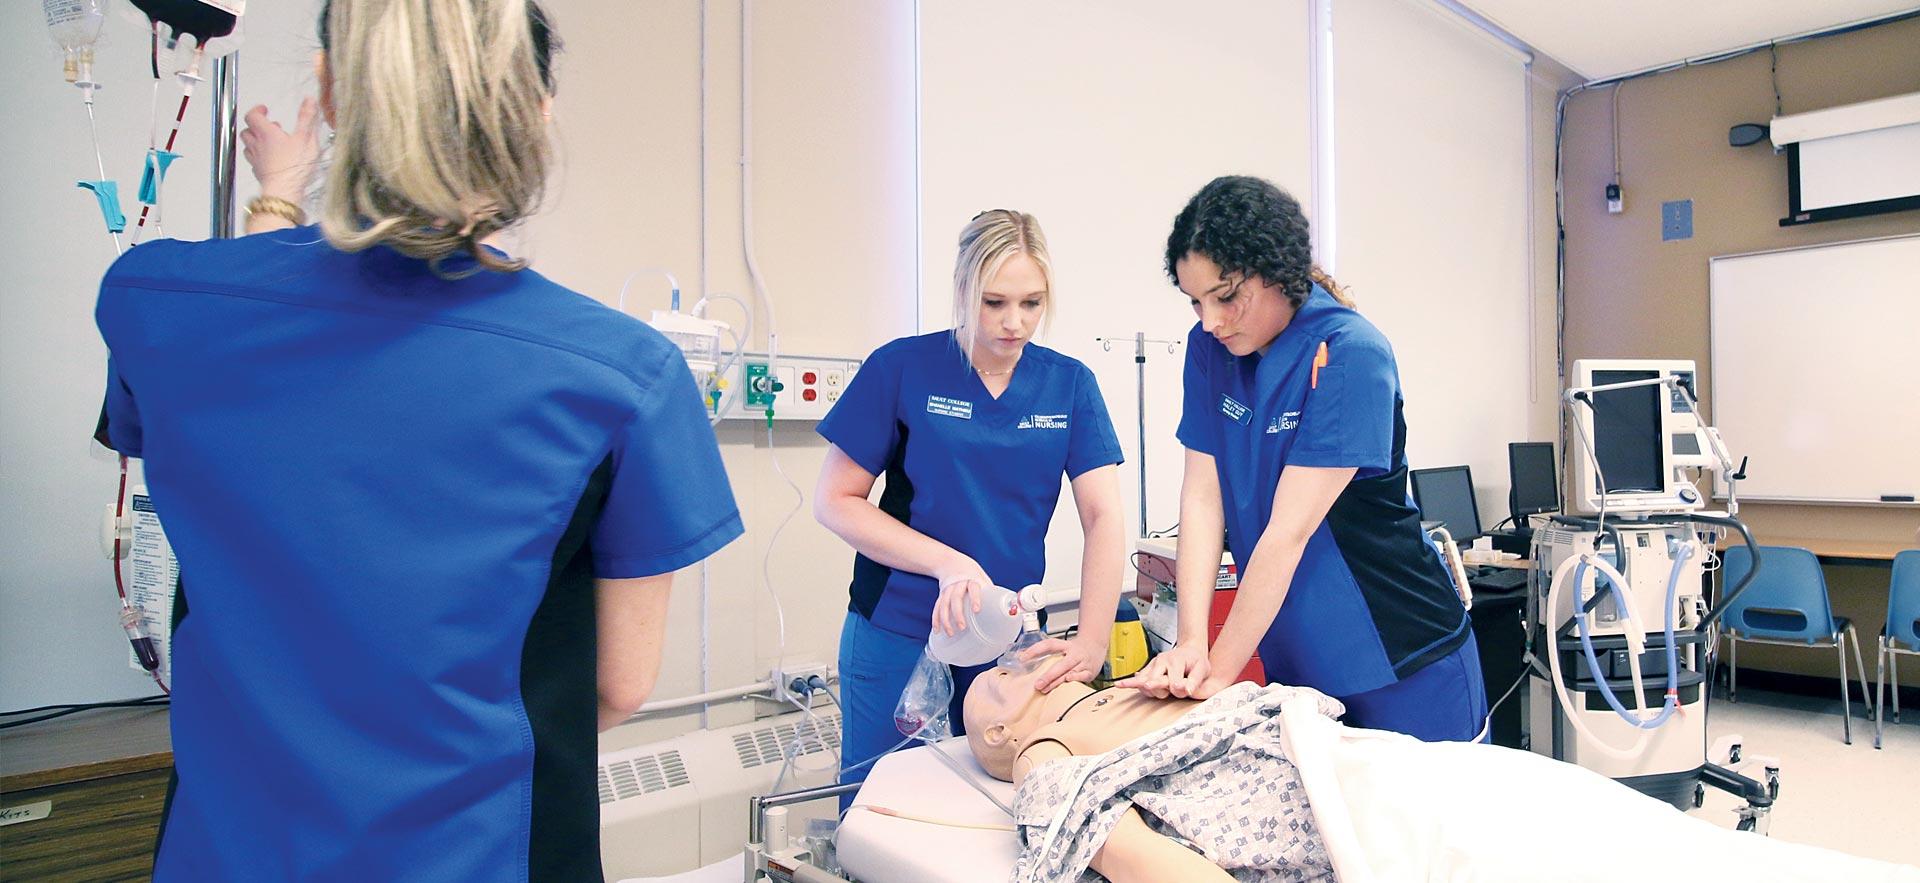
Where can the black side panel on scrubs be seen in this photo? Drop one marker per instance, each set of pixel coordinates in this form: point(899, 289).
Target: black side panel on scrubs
point(896, 499)
point(1415, 608)
point(173, 772)
point(559, 687)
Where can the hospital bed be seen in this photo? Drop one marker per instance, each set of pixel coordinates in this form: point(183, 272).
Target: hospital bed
point(1390, 810)
point(878, 848)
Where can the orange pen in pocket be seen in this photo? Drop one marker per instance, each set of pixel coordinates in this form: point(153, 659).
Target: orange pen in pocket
point(1319, 361)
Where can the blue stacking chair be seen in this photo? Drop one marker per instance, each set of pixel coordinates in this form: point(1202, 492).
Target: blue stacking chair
point(1787, 605)
point(1901, 635)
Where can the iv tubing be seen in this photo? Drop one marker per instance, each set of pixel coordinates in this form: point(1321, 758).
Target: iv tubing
point(100, 162)
point(186, 95)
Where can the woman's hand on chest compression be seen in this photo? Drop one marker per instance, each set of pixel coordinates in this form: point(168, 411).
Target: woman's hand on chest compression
point(1178, 672)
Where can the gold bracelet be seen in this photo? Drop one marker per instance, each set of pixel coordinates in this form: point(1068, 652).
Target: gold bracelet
point(279, 208)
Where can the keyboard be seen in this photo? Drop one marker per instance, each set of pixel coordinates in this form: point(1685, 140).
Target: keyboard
point(1496, 579)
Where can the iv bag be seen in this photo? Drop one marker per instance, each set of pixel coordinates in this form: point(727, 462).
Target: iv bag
point(75, 26)
point(212, 24)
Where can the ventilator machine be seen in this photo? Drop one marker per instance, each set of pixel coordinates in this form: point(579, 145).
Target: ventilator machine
point(1622, 627)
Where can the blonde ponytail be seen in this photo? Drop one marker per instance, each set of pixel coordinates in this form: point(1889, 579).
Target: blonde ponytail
point(440, 129)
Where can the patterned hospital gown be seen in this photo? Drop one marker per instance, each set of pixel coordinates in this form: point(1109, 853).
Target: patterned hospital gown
point(1218, 781)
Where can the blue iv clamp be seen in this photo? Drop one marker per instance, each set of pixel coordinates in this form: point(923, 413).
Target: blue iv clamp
point(107, 193)
point(155, 174)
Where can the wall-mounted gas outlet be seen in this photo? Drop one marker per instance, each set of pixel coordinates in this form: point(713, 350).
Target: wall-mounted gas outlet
point(795, 675)
point(799, 388)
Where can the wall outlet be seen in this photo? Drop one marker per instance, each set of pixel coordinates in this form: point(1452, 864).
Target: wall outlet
point(783, 680)
point(802, 388)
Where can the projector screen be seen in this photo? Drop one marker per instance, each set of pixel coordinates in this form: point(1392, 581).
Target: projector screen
point(1860, 168)
point(1816, 370)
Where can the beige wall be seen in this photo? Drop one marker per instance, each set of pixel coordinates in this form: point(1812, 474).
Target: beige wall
point(1630, 295)
point(1104, 139)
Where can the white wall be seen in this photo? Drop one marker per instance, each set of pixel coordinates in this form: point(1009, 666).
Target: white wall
point(1102, 119)
point(1431, 122)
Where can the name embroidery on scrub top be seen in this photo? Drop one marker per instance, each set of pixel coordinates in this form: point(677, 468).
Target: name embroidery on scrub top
point(1043, 421)
point(1285, 422)
point(947, 407)
point(1235, 411)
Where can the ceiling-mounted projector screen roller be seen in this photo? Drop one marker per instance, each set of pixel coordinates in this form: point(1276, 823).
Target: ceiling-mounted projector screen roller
point(1853, 160)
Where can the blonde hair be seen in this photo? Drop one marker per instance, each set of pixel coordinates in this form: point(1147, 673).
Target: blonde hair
point(440, 130)
point(986, 243)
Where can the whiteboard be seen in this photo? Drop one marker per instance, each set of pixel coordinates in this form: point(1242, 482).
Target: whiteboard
point(1816, 369)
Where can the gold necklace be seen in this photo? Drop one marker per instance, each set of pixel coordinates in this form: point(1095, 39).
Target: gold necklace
point(1009, 369)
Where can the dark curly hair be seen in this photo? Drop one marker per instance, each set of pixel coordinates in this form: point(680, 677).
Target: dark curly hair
point(1247, 225)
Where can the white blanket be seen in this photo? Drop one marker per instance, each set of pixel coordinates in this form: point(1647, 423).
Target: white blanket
point(1391, 808)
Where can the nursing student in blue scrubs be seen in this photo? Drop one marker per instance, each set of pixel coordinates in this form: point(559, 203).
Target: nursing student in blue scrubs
point(1296, 452)
point(427, 504)
point(973, 428)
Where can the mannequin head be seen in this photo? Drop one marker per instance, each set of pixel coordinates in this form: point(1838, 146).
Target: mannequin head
point(1002, 710)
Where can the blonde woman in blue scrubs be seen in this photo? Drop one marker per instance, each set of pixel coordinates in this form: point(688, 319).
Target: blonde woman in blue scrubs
point(973, 427)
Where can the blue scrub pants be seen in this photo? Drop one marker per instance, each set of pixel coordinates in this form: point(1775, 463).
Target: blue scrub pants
point(1444, 702)
point(874, 667)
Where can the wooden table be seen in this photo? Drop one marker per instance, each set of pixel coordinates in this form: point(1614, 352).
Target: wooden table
point(1869, 552)
point(105, 773)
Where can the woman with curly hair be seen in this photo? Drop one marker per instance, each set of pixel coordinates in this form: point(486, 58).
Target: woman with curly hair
point(1296, 460)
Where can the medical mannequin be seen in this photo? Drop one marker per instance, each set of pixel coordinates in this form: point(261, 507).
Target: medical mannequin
point(1013, 728)
point(1384, 789)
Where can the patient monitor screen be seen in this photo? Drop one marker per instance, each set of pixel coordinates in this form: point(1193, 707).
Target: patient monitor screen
point(1627, 436)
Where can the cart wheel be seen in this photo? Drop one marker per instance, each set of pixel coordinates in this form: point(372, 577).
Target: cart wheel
point(1746, 824)
point(1699, 796)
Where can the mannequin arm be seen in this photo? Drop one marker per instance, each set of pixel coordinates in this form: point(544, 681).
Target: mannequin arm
point(1133, 853)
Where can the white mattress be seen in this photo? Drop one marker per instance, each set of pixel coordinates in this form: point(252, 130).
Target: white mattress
point(874, 848)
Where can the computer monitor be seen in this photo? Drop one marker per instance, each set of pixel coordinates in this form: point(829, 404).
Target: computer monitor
point(1445, 495)
point(1533, 478)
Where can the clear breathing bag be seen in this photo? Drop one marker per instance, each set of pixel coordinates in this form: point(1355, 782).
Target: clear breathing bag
point(922, 709)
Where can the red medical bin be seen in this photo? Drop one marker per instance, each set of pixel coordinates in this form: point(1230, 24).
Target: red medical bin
point(1156, 568)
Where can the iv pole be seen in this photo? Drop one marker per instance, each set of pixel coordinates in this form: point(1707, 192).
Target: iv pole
point(226, 122)
point(1140, 341)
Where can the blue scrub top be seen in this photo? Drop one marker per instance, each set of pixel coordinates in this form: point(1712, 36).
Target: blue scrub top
point(390, 494)
point(1370, 602)
point(977, 473)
